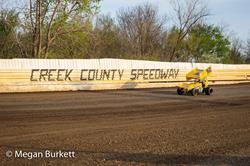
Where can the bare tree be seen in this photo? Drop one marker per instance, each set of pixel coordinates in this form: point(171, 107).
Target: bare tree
point(236, 51)
point(141, 28)
point(105, 39)
point(187, 14)
point(247, 51)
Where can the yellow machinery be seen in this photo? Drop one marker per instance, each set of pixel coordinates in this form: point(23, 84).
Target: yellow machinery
point(199, 83)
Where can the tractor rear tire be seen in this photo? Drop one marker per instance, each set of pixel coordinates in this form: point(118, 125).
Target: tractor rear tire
point(208, 91)
point(194, 92)
point(180, 91)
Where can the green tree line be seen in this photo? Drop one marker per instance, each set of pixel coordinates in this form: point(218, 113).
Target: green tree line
point(75, 29)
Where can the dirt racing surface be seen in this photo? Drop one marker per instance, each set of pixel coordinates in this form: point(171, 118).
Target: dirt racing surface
point(126, 127)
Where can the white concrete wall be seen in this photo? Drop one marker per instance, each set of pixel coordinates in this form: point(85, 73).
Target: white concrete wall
point(15, 74)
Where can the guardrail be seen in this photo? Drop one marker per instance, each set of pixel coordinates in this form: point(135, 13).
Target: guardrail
point(30, 75)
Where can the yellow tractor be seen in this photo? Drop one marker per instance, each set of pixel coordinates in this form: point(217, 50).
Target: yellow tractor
point(199, 84)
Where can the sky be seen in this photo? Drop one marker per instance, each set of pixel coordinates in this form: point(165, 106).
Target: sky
point(232, 14)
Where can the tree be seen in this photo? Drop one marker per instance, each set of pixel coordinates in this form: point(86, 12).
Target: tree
point(187, 14)
point(105, 40)
point(206, 43)
point(235, 55)
point(141, 29)
point(72, 45)
point(8, 24)
point(48, 19)
point(247, 52)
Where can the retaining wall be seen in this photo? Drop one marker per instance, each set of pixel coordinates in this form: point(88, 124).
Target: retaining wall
point(30, 75)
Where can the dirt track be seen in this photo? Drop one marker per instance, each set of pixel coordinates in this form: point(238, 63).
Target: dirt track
point(129, 127)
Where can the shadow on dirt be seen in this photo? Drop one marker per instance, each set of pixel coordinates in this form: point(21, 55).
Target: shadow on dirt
point(151, 158)
point(172, 159)
point(129, 85)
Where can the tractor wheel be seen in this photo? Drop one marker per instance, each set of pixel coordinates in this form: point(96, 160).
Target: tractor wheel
point(194, 92)
point(208, 91)
point(180, 91)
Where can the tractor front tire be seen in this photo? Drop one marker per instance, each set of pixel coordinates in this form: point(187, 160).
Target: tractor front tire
point(194, 92)
point(180, 91)
point(208, 91)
